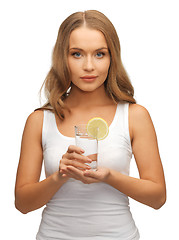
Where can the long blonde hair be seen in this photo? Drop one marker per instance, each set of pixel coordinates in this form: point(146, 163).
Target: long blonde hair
point(57, 82)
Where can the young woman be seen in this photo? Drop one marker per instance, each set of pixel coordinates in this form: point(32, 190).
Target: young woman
point(86, 80)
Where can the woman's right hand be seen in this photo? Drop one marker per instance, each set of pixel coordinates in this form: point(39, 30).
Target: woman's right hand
point(73, 157)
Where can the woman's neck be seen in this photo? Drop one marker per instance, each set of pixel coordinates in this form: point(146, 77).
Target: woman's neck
point(81, 99)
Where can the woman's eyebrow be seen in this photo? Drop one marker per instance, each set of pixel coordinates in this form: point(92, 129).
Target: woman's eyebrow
point(74, 48)
point(79, 49)
point(103, 48)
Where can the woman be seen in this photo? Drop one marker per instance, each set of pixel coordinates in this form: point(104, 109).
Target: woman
point(86, 80)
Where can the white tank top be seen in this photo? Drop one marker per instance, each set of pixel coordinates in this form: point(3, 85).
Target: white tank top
point(94, 211)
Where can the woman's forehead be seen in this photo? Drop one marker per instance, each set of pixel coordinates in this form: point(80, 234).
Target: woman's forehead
point(86, 37)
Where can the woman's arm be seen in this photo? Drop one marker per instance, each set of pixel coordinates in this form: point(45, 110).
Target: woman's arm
point(151, 188)
point(30, 194)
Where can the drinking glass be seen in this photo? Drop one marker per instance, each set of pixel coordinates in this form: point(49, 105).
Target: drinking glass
point(87, 143)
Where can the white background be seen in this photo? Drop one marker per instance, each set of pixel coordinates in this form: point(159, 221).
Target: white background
point(148, 32)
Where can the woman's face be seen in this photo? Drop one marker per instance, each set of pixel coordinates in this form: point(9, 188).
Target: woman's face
point(88, 58)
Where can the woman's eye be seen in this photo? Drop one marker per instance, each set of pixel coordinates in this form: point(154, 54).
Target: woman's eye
point(100, 54)
point(76, 54)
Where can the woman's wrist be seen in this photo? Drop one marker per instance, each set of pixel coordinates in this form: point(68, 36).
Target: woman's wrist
point(58, 178)
point(114, 178)
point(108, 177)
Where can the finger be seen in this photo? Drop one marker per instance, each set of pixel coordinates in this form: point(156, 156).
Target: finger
point(76, 160)
point(79, 175)
point(71, 174)
point(71, 171)
point(75, 163)
point(65, 173)
point(81, 158)
point(75, 171)
point(73, 148)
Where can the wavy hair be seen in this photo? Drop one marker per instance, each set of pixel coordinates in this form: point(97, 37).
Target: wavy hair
point(57, 82)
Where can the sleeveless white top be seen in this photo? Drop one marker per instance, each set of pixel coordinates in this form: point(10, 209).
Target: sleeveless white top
point(94, 211)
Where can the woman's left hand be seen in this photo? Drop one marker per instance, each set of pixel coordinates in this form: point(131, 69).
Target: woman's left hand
point(88, 176)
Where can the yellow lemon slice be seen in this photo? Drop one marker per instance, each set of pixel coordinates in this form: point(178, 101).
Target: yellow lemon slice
point(97, 128)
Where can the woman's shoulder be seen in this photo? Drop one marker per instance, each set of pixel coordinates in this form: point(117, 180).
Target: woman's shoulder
point(35, 120)
point(138, 111)
point(36, 116)
point(33, 127)
point(139, 118)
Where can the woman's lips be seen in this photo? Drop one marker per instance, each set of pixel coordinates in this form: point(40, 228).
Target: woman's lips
point(88, 78)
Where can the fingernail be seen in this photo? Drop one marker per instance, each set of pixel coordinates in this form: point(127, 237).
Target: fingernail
point(82, 151)
point(89, 159)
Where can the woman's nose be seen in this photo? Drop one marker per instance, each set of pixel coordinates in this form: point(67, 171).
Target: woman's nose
point(88, 64)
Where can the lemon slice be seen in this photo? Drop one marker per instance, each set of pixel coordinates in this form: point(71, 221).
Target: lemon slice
point(97, 128)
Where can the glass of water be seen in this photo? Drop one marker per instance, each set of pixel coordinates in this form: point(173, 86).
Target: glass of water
point(87, 143)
